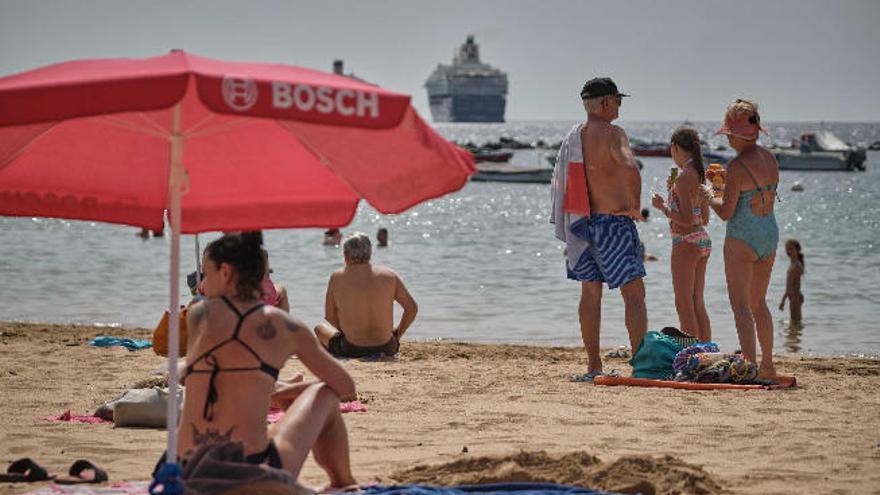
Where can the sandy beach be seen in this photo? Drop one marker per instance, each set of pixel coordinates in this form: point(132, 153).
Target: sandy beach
point(449, 412)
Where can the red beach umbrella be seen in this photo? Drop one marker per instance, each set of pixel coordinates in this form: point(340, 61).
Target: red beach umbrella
point(220, 145)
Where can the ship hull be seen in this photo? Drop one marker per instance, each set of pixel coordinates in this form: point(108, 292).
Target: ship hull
point(468, 108)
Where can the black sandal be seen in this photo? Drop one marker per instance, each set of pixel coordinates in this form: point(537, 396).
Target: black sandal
point(24, 470)
point(83, 471)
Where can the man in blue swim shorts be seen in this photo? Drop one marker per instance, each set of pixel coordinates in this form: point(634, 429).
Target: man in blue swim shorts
point(596, 193)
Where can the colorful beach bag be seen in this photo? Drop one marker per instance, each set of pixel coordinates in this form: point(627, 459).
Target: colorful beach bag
point(655, 356)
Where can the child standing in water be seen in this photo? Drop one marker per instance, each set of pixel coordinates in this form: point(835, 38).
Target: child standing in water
point(793, 281)
point(688, 213)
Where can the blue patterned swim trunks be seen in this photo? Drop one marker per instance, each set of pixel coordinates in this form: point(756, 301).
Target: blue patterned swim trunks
point(614, 255)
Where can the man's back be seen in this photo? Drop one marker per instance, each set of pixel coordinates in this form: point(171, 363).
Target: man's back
point(606, 176)
point(364, 298)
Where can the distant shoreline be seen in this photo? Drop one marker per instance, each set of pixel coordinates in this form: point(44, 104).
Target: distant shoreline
point(146, 334)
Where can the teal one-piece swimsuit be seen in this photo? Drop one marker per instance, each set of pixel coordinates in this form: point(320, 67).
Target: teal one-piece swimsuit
point(761, 233)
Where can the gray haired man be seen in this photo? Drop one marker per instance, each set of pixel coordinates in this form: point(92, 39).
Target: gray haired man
point(359, 305)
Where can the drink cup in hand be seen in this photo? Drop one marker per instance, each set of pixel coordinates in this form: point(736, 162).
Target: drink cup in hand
point(715, 174)
point(657, 201)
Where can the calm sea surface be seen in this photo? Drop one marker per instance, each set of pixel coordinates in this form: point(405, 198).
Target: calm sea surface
point(483, 263)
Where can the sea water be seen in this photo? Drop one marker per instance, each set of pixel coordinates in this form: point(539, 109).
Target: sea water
point(483, 263)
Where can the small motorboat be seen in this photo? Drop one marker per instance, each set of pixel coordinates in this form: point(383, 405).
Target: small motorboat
point(493, 172)
point(821, 150)
point(492, 156)
point(651, 149)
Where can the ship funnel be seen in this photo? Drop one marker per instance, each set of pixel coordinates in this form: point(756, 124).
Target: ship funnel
point(337, 66)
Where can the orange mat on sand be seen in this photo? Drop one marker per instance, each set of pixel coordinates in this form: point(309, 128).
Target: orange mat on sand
point(781, 382)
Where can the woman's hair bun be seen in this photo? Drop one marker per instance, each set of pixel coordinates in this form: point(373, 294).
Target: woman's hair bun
point(252, 238)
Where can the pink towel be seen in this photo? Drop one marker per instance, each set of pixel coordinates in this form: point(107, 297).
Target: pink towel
point(344, 407)
point(121, 488)
point(73, 418)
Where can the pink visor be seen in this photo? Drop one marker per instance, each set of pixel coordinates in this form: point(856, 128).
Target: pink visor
point(742, 125)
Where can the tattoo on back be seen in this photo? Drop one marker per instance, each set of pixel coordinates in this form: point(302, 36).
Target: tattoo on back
point(292, 325)
point(266, 330)
point(210, 436)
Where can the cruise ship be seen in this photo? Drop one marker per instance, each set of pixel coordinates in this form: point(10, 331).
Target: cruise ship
point(468, 90)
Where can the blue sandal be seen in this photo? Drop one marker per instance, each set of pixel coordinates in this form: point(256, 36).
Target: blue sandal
point(589, 377)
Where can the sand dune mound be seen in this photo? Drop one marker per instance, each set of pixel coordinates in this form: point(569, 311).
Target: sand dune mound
point(630, 474)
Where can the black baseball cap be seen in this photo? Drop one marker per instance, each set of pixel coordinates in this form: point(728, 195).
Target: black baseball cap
point(599, 86)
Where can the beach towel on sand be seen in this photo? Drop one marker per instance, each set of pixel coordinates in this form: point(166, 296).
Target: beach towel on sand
point(487, 489)
point(130, 344)
point(140, 488)
point(122, 488)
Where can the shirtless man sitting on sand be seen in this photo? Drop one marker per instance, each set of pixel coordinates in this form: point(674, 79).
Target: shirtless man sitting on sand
point(359, 308)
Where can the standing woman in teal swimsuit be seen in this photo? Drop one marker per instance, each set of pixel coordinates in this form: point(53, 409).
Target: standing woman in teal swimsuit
point(752, 233)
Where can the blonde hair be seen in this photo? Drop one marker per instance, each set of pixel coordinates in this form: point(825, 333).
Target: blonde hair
point(742, 106)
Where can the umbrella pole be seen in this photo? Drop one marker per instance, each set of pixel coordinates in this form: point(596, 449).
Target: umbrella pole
point(175, 185)
point(198, 264)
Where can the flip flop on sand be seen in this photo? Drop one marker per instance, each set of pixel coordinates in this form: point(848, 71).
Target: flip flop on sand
point(24, 470)
point(620, 352)
point(330, 489)
point(589, 377)
point(83, 471)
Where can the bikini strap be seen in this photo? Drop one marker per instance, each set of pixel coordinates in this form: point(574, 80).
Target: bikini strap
point(754, 181)
point(231, 306)
point(210, 360)
point(758, 188)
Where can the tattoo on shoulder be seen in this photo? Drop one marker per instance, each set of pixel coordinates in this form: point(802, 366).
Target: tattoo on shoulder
point(266, 330)
point(211, 436)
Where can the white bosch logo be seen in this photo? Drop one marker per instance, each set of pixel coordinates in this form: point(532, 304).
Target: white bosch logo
point(239, 93)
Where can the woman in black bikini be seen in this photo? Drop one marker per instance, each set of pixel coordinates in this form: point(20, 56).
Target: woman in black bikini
point(235, 349)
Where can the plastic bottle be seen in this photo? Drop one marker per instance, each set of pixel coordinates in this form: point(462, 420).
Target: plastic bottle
point(673, 174)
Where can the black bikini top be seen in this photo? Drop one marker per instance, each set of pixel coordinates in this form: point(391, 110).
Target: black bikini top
point(211, 360)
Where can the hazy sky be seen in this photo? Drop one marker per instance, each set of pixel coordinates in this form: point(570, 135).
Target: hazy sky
point(801, 59)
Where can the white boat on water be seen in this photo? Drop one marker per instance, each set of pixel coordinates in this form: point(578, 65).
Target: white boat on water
point(821, 150)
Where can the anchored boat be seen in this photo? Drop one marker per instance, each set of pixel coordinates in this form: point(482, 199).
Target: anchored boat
point(821, 150)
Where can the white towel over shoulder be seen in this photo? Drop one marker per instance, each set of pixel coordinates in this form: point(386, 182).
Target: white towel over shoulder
point(570, 151)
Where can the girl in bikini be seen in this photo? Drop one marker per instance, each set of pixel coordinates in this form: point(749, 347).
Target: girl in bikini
point(752, 234)
point(688, 213)
point(793, 281)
